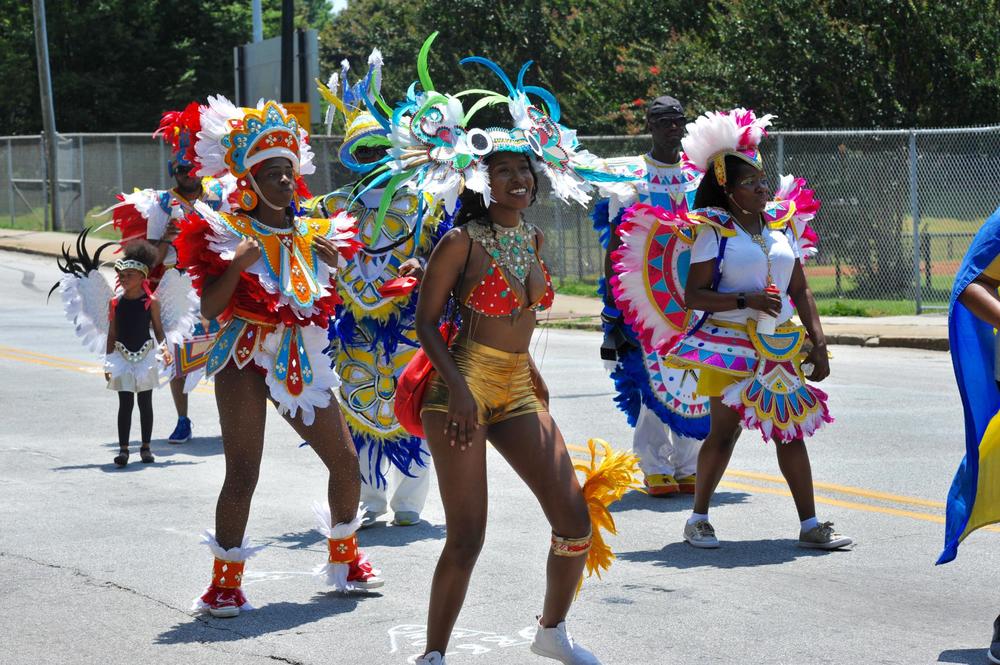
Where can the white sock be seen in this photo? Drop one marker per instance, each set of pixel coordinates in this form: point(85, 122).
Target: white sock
point(697, 517)
point(810, 523)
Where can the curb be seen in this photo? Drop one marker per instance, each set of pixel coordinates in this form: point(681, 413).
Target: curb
point(846, 339)
point(29, 250)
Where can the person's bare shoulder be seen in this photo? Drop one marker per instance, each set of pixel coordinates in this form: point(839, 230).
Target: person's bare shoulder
point(453, 245)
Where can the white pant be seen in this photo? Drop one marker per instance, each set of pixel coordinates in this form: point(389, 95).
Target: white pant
point(408, 494)
point(660, 449)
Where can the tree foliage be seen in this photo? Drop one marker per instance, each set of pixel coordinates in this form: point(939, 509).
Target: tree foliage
point(117, 64)
point(813, 63)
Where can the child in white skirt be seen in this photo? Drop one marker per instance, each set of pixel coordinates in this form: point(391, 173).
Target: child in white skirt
point(132, 364)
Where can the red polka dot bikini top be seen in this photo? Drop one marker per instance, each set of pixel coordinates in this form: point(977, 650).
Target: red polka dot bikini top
point(493, 295)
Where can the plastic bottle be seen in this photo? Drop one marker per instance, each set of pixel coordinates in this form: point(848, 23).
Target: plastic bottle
point(765, 322)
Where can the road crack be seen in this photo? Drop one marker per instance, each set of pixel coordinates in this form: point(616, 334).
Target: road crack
point(91, 580)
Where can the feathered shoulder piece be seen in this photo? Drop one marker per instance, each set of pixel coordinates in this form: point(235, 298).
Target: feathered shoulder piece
point(804, 206)
point(86, 293)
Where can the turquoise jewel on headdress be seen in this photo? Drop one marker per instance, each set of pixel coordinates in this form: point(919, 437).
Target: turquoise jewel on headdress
point(264, 134)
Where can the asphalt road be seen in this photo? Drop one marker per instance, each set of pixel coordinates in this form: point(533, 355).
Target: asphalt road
point(99, 565)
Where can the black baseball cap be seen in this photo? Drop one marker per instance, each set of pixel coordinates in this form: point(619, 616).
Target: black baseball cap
point(665, 106)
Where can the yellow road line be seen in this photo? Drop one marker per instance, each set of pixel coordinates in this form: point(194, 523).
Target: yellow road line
point(926, 517)
point(72, 365)
point(844, 489)
point(840, 503)
point(35, 354)
point(31, 357)
point(60, 365)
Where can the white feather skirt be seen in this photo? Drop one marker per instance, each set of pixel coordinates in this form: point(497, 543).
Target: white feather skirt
point(136, 376)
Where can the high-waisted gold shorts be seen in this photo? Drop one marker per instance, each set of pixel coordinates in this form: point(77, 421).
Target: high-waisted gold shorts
point(500, 383)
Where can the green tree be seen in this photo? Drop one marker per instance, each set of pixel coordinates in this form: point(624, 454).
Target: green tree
point(118, 64)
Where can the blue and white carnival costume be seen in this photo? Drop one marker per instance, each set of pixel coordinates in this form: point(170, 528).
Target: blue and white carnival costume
point(670, 420)
point(373, 337)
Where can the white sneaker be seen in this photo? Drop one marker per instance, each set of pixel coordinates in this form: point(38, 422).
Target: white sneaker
point(369, 519)
point(432, 658)
point(556, 643)
point(823, 537)
point(701, 534)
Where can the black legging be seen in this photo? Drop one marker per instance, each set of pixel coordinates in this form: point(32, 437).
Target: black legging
point(125, 402)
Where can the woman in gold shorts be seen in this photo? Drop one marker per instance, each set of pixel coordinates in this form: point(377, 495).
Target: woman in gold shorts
point(487, 387)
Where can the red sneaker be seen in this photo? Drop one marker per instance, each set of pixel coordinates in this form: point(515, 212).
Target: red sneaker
point(223, 603)
point(224, 598)
point(361, 575)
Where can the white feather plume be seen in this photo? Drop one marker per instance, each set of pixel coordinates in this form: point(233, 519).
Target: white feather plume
point(86, 302)
point(719, 131)
point(179, 306)
point(215, 119)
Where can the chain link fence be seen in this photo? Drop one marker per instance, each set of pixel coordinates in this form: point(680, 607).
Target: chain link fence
point(900, 207)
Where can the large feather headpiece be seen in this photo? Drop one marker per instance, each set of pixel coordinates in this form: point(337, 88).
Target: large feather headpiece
point(716, 134)
point(234, 139)
point(363, 108)
point(179, 130)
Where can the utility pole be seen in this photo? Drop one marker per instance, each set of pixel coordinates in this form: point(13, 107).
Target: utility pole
point(258, 23)
point(287, 50)
point(48, 111)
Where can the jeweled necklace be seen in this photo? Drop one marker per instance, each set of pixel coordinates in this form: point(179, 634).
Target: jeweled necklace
point(510, 248)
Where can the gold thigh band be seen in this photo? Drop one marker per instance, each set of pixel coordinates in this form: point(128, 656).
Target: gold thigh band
point(571, 546)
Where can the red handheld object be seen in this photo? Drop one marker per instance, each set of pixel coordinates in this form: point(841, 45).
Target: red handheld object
point(400, 286)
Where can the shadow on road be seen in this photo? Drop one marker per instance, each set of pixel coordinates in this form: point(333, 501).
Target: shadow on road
point(297, 540)
point(964, 656)
point(672, 504)
point(272, 618)
point(387, 535)
point(732, 554)
point(135, 465)
point(378, 535)
point(200, 446)
point(27, 278)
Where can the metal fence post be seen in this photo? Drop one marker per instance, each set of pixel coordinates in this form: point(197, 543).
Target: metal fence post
point(163, 160)
point(118, 152)
point(781, 155)
point(562, 242)
point(45, 187)
point(83, 196)
point(326, 166)
point(10, 179)
point(915, 213)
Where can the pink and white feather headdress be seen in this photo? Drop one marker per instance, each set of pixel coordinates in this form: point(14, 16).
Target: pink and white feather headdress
point(716, 134)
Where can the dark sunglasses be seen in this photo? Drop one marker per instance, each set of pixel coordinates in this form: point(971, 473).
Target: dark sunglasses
point(668, 121)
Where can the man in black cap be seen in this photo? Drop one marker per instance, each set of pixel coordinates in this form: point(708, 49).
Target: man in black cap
point(658, 401)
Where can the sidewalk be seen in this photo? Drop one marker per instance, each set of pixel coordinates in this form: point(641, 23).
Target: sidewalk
point(928, 331)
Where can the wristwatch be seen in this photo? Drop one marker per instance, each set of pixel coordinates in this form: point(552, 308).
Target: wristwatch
point(741, 301)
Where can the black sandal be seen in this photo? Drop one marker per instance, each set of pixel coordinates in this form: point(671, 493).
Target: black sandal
point(122, 458)
point(146, 455)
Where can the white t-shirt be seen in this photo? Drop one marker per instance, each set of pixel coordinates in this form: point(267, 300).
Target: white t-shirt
point(744, 267)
